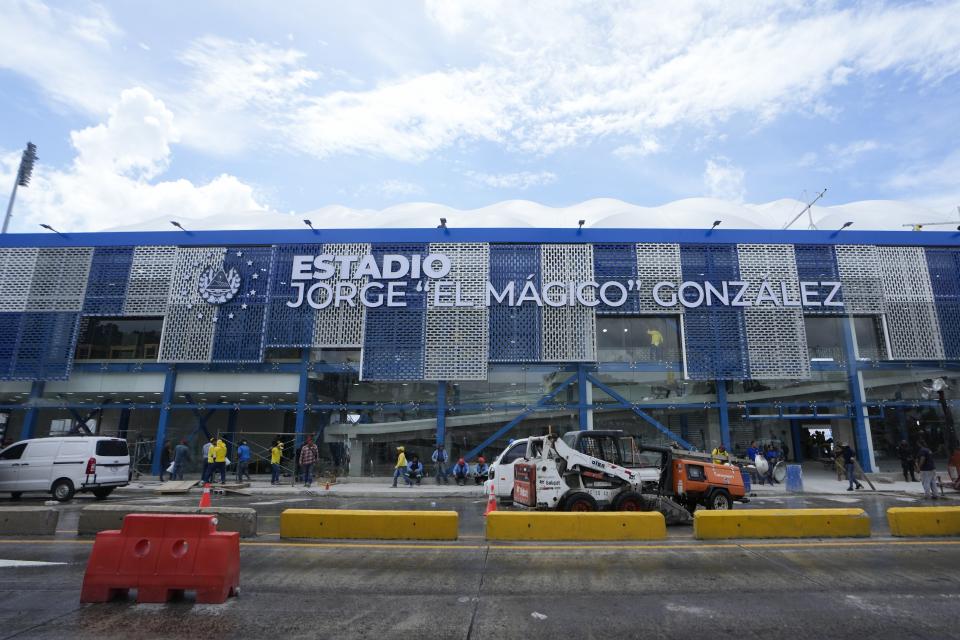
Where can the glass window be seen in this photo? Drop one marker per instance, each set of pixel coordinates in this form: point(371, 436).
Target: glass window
point(112, 448)
point(119, 338)
point(825, 337)
point(336, 356)
point(14, 452)
point(870, 342)
point(282, 354)
point(515, 453)
point(638, 339)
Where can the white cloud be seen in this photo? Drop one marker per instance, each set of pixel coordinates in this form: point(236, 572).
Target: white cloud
point(521, 180)
point(929, 175)
point(398, 189)
point(808, 159)
point(846, 156)
point(646, 147)
point(724, 180)
point(109, 181)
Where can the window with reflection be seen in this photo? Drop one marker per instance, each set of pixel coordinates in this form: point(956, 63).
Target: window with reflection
point(119, 338)
point(638, 339)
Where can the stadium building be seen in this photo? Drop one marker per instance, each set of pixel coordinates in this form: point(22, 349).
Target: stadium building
point(371, 338)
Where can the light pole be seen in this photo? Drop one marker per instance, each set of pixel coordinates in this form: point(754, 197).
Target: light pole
point(23, 179)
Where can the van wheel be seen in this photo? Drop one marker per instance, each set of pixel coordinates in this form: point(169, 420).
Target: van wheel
point(719, 500)
point(102, 493)
point(16, 495)
point(62, 490)
point(580, 501)
point(629, 501)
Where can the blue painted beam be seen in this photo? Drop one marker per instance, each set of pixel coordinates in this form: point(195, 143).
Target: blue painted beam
point(169, 385)
point(724, 413)
point(441, 411)
point(33, 411)
point(863, 446)
point(644, 415)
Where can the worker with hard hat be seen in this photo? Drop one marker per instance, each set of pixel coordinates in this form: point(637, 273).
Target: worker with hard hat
point(481, 471)
point(219, 451)
point(460, 471)
point(720, 455)
point(400, 469)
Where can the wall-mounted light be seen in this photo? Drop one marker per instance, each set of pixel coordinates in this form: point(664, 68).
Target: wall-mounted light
point(178, 226)
point(49, 228)
point(443, 223)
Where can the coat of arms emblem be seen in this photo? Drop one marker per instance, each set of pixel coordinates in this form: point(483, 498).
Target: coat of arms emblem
point(217, 286)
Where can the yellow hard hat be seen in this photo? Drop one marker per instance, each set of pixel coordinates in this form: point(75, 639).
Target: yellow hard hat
point(401, 449)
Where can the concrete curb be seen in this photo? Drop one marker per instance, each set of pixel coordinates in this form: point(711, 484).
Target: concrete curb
point(32, 521)
point(369, 525)
point(554, 526)
point(103, 517)
point(781, 523)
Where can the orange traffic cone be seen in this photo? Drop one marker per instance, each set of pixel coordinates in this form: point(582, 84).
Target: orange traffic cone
point(491, 503)
point(205, 498)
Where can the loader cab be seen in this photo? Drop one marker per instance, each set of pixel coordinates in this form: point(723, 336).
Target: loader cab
point(603, 445)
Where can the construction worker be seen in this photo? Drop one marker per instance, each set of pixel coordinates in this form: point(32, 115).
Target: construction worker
point(207, 462)
point(220, 460)
point(720, 455)
point(482, 471)
point(460, 471)
point(276, 453)
point(439, 458)
point(400, 469)
point(656, 344)
point(414, 472)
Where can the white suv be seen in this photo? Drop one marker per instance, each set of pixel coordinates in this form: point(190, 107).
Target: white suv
point(63, 466)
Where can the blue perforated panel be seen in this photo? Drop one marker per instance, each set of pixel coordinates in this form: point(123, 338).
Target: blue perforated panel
point(617, 262)
point(818, 263)
point(514, 331)
point(716, 337)
point(393, 340)
point(107, 286)
point(238, 336)
point(287, 326)
point(944, 265)
point(37, 346)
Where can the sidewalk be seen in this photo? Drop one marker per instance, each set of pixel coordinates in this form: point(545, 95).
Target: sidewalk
point(820, 481)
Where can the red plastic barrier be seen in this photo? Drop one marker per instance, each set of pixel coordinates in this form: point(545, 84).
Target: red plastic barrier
point(161, 556)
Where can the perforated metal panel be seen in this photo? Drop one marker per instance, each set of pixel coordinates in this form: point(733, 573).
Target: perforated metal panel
point(107, 284)
point(188, 327)
point(818, 263)
point(16, 275)
point(944, 267)
point(393, 340)
point(59, 279)
point(238, 336)
point(342, 326)
point(657, 262)
point(776, 338)
point(716, 337)
point(288, 326)
point(859, 268)
point(569, 332)
point(457, 345)
point(914, 331)
point(617, 262)
point(514, 330)
point(148, 286)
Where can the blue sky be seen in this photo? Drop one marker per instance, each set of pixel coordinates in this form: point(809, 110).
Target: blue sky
point(195, 109)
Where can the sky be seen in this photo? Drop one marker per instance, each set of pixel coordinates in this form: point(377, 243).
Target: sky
point(181, 108)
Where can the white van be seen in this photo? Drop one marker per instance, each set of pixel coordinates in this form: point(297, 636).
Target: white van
point(63, 466)
point(501, 470)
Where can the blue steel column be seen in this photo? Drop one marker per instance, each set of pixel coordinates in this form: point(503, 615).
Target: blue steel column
point(582, 398)
point(724, 413)
point(302, 399)
point(30, 419)
point(861, 426)
point(441, 411)
point(169, 385)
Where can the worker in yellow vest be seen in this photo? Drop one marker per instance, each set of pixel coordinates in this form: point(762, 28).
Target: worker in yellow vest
point(400, 469)
point(219, 451)
point(720, 455)
point(276, 453)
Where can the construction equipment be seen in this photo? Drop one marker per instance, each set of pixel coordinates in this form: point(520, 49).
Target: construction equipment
point(592, 470)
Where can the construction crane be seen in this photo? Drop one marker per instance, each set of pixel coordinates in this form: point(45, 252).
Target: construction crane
point(918, 226)
point(805, 210)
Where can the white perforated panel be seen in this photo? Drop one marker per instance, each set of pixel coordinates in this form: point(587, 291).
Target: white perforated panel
point(59, 279)
point(657, 262)
point(457, 341)
point(568, 332)
point(148, 286)
point(189, 325)
point(914, 331)
point(859, 267)
point(776, 337)
point(341, 326)
point(16, 275)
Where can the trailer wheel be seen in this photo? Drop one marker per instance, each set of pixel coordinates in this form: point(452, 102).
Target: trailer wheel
point(629, 501)
point(579, 501)
point(719, 500)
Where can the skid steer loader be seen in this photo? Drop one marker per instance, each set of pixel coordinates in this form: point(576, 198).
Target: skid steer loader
point(593, 470)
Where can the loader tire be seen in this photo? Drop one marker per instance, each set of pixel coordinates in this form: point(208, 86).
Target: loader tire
point(579, 501)
point(719, 500)
point(629, 501)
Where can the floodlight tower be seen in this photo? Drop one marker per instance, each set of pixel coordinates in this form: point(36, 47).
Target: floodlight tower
point(23, 179)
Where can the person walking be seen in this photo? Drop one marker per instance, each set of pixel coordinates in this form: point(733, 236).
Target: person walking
point(400, 469)
point(207, 462)
point(907, 461)
point(165, 456)
point(243, 461)
point(439, 458)
point(460, 471)
point(181, 455)
point(220, 460)
point(308, 457)
point(928, 470)
point(850, 465)
point(276, 453)
point(482, 470)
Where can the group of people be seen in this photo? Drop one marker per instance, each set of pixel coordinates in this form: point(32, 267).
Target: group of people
point(412, 470)
point(771, 455)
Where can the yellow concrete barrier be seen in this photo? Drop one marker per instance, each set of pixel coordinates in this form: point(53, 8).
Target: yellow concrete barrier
point(369, 525)
point(924, 521)
point(537, 525)
point(781, 523)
